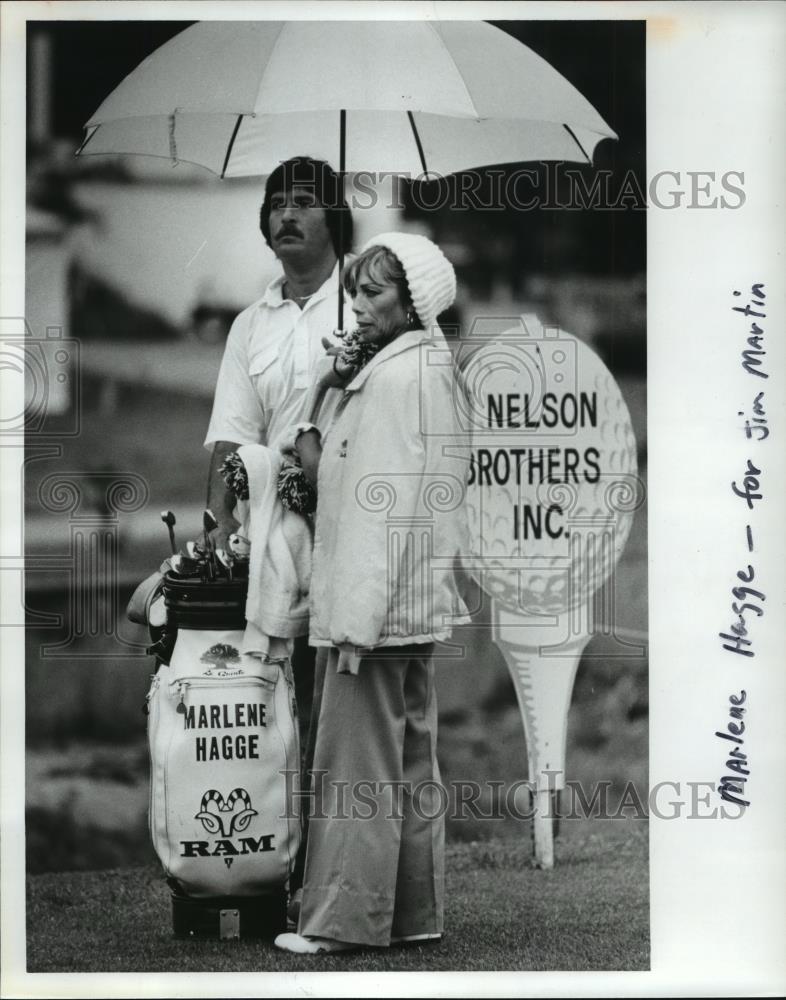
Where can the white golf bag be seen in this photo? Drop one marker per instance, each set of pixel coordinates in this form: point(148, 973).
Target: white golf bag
point(223, 740)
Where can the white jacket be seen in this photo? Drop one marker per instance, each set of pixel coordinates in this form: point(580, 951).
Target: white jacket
point(390, 512)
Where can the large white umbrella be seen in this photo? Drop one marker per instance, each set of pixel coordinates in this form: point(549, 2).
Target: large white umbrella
point(410, 97)
point(406, 96)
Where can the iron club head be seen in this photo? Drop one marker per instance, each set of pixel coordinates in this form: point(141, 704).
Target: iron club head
point(209, 522)
point(225, 559)
point(239, 546)
point(184, 566)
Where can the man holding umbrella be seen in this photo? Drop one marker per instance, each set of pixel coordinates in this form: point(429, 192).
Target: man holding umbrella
point(275, 346)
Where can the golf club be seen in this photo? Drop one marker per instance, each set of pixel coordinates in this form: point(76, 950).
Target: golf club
point(194, 551)
point(209, 523)
point(239, 546)
point(225, 559)
point(184, 566)
point(169, 520)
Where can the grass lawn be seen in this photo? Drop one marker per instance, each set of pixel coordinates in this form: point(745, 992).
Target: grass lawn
point(590, 912)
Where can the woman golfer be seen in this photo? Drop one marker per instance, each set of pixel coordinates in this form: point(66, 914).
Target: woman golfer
point(390, 477)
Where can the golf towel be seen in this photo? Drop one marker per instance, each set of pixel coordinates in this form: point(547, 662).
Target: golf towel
point(280, 561)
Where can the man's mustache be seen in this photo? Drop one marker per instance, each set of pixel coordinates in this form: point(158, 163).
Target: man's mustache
point(288, 231)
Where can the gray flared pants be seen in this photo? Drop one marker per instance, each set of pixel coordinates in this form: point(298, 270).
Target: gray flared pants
point(376, 843)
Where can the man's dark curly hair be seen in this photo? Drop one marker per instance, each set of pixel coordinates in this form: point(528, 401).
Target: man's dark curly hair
point(319, 177)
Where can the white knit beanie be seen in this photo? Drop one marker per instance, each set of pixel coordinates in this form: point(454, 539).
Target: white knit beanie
point(430, 275)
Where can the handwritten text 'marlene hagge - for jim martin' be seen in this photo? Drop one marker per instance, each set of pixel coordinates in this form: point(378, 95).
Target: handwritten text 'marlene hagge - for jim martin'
point(748, 598)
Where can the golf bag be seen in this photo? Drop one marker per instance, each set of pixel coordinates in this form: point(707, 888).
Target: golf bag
point(222, 736)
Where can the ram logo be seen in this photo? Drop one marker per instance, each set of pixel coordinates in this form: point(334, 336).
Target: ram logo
point(226, 817)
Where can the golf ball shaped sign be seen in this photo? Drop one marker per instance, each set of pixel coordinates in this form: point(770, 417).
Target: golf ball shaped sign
point(552, 482)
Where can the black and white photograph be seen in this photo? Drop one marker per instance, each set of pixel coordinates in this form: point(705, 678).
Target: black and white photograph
point(355, 459)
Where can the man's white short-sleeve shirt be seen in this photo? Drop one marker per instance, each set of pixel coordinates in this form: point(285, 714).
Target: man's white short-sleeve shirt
point(269, 365)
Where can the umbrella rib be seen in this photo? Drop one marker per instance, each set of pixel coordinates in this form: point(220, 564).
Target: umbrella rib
point(342, 169)
point(572, 134)
point(87, 139)
point(418, 143)
point(231, 144)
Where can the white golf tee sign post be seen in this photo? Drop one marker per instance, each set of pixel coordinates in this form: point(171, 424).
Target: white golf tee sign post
point(551, 496)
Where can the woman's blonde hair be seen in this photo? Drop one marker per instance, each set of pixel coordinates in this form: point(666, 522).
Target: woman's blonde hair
point(381, 265)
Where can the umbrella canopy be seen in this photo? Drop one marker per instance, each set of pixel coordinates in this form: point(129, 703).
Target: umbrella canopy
point(415, 96)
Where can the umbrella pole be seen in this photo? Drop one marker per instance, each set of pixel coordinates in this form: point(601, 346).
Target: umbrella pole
point(314, 401)
point(342, 157)
point(316, 396)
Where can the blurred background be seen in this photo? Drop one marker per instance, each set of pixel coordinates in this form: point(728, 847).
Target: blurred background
point(134, 272)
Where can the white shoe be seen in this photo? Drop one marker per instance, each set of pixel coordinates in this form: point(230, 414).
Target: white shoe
point(407, 938)
point(301, 945)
